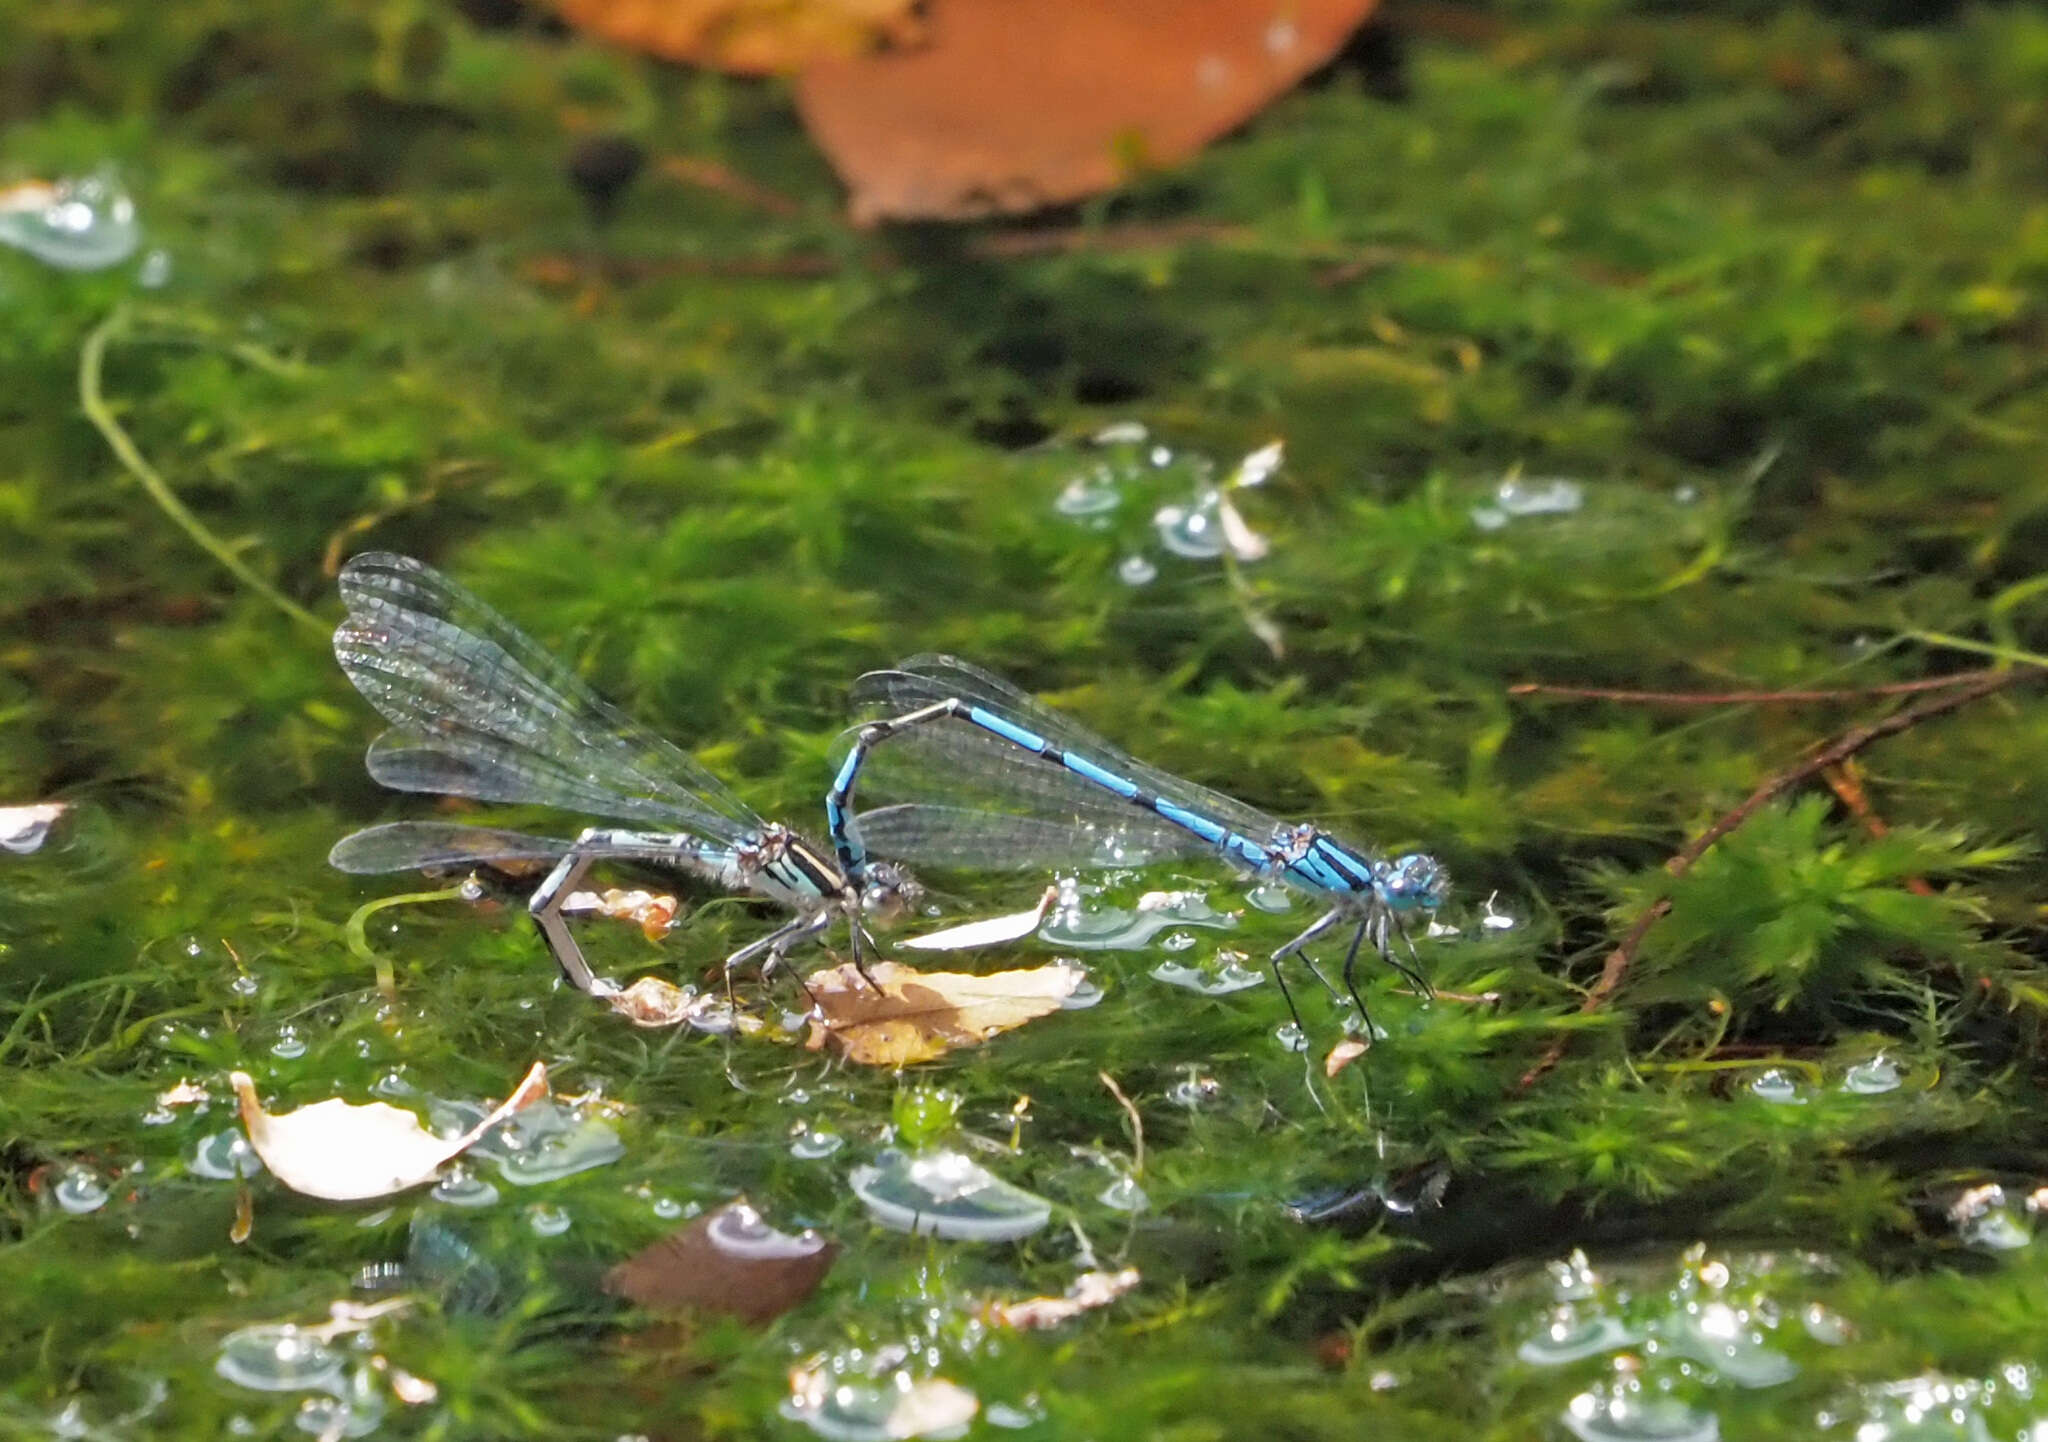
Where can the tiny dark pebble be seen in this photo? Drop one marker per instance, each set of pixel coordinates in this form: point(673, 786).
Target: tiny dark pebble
point(601, 168)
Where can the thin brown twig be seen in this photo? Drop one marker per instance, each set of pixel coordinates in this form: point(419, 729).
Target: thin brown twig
point(1137, 1123)
point(1615, 969)
point(1846, 781)
point(1749, 698)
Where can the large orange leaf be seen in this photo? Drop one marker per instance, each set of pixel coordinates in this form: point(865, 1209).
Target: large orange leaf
point(1011, 105)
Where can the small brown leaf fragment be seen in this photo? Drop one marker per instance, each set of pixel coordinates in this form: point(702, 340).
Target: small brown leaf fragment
point(1342, 1055)
point(651, 1001)
point(245, 1213)
point(1089, 1291)
point(729, 1262)
point(342, 1152)
point(918, 1015)
point(183, 1093)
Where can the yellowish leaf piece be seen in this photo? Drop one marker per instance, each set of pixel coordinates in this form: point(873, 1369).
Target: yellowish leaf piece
point(1342, 1055)
point(341, 1152)
point(992, 931)
point(918, 1015)
point(1089, 1291)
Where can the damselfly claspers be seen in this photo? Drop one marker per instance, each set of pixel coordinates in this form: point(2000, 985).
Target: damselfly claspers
point(479, 709)
point(1001, 780)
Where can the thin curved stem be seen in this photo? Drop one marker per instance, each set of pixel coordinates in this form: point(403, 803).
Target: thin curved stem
point(92, 400)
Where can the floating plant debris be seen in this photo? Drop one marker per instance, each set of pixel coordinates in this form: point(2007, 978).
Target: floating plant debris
point(344, 1152)
point(729, 1261)
point(1519, 496)
point(83, 224)
point(1089, 1291)
point(947, 1194)
point(918, 1015)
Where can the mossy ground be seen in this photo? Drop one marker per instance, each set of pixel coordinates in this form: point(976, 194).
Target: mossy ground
point(727, 459)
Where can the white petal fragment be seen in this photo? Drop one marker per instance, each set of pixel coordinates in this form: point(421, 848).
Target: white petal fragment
point(992, 931)
point(342, 1152)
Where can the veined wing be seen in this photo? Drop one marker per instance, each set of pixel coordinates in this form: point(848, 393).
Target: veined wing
point(431, 845)
point(922, 680)
point(994, 840)
point(460, 681)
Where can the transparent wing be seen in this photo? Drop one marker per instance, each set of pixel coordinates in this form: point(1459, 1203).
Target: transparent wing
point(992, 840)
point(430, 845)
point(461, 683)
point(1018, 775)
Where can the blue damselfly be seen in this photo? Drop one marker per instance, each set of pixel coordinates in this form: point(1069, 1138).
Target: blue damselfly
point(479, 709)
point(1000, 780)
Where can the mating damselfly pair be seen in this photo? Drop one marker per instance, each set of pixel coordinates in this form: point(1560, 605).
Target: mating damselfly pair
point(990, 778)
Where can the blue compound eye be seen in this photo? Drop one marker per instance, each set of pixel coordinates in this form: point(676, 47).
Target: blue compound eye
point(1415, 883)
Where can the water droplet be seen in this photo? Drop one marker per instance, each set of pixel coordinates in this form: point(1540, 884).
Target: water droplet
point(224, 1156)
point(289, 1045)
point(1983, 1219)
point(1879, 1074)
point(79, 1190)
point(1136, 569)
point(547, 1219)
point(1291, 1037)
point(1569, 1337)
point(245, 985)
point(540, 1143)
point(668, 1209)
point(894, 1407)
point(1270, 896)
point(1491, 919)
point(1520, 496)
point(1087, 991)
point(354, 1411)
point(1721, 1336)
point(1777, 1086)
point(1124, 1195)
point(277, 1359)
point(461, 1187)
point(813, 1142)
point(1627, 1411)
point(1194, 1091)
point(1225, 973)
point(1011, 1419)
point(1193, 532)
point(947, 1194)
point(1122, 433)
point(155, 271)
point(83, 224)
point(1177, 941)
point(1094, 492)
point(1110, 928)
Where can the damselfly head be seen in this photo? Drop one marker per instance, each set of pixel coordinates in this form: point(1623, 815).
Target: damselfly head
point(1414, 883)
point(887, 891)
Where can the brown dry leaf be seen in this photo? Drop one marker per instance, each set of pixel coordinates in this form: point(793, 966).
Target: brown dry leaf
point(729, 1262)
point(343, 1152)
point(1089, 1291)
point(1342, 1055)
point(1012, 105)
point(919, 1015)
point(749, 37)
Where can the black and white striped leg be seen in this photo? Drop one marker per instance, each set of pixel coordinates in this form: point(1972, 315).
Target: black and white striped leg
point(1294, 948)
point(545, 907)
